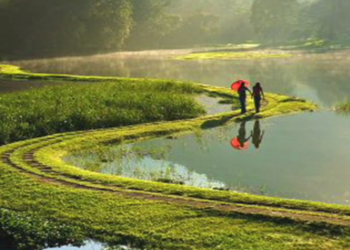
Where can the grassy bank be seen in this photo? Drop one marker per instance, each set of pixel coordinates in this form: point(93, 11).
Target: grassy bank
point(72, 107)
point(38, 185)
point(123, 216)
point(227, 54)
point(153, 224)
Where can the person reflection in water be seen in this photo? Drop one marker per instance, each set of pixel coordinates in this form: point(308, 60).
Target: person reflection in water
point(241, 142)
point(242, 135)
point(257, 134)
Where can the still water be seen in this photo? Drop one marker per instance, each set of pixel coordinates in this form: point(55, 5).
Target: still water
point(92, 245)
point(320, 77)
point(291, 157)
point(89, 245)
point(304, 156)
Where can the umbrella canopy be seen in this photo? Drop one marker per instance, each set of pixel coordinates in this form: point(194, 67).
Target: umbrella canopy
point(237, 145)
point(237, 84)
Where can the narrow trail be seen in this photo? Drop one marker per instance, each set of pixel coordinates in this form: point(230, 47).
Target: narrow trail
point(64, 179)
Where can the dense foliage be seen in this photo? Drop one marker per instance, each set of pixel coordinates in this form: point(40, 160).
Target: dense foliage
point(72, 107)
point(64, 27)
point(40, 27)
point(28, 231)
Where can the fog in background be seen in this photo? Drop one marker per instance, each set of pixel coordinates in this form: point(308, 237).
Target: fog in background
point(48, 28)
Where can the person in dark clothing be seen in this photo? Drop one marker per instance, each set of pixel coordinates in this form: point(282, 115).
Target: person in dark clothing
point(257, 93)
point(242, 135)
point(243, 96)
point(257, 134)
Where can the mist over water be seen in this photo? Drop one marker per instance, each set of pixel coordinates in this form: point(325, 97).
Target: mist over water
point(322, 78)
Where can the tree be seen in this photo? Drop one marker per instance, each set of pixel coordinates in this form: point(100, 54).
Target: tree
point(331, 19)
point(151, 23)
point(274, 19)
point(61, 27)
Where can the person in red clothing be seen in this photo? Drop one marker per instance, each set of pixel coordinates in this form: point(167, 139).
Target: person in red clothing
point(257, 94)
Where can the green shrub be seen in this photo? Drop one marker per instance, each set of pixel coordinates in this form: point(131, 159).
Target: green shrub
point(25, 231)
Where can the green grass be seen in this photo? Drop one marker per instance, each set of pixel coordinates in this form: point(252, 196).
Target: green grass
point(72, 107)
point(33, 208)
point(235, 55)
point(26, 230)
point(147, 223)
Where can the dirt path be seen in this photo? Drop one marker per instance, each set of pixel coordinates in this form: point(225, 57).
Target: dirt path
point(69, 181)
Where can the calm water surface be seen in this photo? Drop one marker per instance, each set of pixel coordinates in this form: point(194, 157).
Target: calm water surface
point(291, 157)
point(92, 245)
point(321, 77)
point(303, 156)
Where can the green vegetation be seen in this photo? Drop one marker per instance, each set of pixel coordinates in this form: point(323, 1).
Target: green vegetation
point(123, 215)
point(97, 26)
point(151, 224)
point(343, 107)
point(89, 106)
point(27, 231)
point(235, 55)
point(42, 196)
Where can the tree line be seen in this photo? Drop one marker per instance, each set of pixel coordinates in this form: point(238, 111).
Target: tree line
point(65, 27)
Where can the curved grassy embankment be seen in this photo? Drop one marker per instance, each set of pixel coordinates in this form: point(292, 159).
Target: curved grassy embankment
point(227, 54)
point(111, 103)
point(36, 183)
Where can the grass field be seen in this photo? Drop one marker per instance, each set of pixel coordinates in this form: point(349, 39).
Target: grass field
point(72, 107)
point(47, 202)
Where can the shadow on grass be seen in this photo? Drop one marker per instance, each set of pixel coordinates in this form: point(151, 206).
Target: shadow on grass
point(316, 227)
point(234, 118)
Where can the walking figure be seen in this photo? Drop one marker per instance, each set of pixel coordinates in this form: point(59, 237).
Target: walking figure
point(257, 134)
point(257, 93)
point(243, 96)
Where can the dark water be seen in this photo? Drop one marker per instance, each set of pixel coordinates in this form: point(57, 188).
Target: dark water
point(303, 156)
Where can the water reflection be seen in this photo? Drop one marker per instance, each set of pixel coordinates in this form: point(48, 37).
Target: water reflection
point(289, 168)
point(241, 142)
point(141, 163)
point(92, 245)
point(257, 134)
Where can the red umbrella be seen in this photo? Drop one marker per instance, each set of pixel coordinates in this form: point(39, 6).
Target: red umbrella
point(237, 145)
point(237, 84)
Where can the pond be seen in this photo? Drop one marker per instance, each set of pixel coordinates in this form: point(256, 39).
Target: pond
point(303, 156)
point(283, 157)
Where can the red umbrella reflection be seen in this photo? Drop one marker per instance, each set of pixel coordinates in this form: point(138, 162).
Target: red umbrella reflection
point(235, 143)
point(237, 84)
point(241, 142)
